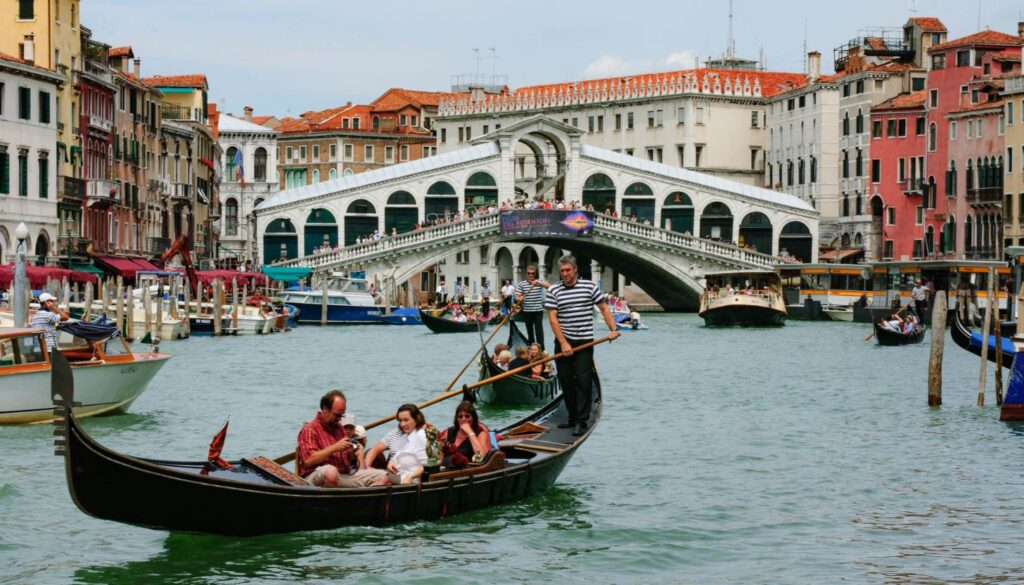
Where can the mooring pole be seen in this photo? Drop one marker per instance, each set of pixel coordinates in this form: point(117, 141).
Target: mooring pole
point(935, 359)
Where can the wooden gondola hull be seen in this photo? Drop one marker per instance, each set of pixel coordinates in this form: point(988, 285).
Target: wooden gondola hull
point(515, 390)
point(971, 341)
point(442, 325)
point(885, 337)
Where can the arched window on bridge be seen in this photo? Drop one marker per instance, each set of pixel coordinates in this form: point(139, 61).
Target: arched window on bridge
point(481, 190)
point(756, 231)
point(677, 212)
point(796, 240)
point(716, 222)
point(441, 201)
point(280, 241)
point(401, 213)
point(638, 200)
point(360, 221)
point(321, 228)
point(599, 191)
point(231, 217)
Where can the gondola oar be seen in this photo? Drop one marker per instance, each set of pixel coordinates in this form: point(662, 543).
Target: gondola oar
point(291, 456)
point(483, 345)
point(903, 308)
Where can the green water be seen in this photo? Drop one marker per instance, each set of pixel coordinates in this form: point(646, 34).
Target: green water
point(794, 455)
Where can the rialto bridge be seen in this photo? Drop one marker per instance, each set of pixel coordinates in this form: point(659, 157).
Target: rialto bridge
point(694, 219)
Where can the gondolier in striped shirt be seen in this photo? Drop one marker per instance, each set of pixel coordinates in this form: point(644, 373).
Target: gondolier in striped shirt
point(530, 293)
point(570, 309)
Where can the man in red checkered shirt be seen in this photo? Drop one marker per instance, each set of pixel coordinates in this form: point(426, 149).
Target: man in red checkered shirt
point(326, 457)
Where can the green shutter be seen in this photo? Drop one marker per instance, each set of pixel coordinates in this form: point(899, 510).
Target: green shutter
point(117, 150)
point(5, 173)
point(44, 178)
point(24, 103)
point(23, 175)
point(44, 107)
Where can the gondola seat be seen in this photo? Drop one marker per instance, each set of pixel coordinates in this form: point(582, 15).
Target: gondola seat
point(493, 461)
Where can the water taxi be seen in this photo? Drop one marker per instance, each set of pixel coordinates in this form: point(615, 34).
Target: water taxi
point(348, 302)
point(742, 297)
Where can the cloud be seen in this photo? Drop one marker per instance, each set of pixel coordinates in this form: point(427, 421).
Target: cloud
point(611, 65)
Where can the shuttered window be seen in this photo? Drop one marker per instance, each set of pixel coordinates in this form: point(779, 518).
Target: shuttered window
point(5, 173)
point(44, 107)
point(23, 175)
point(44, 178)
point(25, 103)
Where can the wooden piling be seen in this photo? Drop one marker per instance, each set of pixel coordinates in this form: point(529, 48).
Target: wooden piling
point(158, 319)
point(74, 293)
point(985, 329)
point(935, 358)
point(129, 303)
point(216, 298)
point(997, 330)
point(147, 312)
point(66, 296)
point(87, 303)
point(234, 304)
point(188, 309)
point(119, 304)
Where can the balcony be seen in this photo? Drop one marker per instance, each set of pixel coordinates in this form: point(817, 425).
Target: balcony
point(157, 245)
point(100, 124)
point(70, 189)
point(168, 112)
point(181, 192)
point(101, 191)
point(986, 196)
point(911, 187)
point(153, 184)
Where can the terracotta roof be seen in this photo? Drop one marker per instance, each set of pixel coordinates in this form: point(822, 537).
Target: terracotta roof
point(332, 119)
point(771, 82)
point(397, 98)
point(7, 57)
point(194, 80)
point(904, 101)
point(1009, 55)
point(260, 119)
point(120, 52)
point(929, 24)
point(994, 105)
point(875, 43)
point(985, 38)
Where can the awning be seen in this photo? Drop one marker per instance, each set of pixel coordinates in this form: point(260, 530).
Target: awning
point(144, 264)
point(840, 255)
point(126, 267)
point(286, 273)
point(87, 268)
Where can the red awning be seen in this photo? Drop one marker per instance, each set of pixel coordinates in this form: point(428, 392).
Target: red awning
point(839, 255)
point(144, 264)
point(125, 267)
point(37, 275)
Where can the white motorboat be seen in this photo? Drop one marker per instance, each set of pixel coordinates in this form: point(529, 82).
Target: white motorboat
point(108, 375)
point(839, 312)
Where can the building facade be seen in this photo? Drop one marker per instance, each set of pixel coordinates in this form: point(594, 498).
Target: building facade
point(1013, 170)
point(96, 124)
point(250, 177)
point(28, 191)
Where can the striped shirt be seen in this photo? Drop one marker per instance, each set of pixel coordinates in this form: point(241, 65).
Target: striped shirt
point(575, 306)
point(533, 301)
point(46, 321)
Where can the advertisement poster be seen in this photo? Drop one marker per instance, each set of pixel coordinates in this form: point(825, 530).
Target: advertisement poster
point(548, 223)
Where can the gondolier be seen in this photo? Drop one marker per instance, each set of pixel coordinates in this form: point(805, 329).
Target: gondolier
point(570, 309)
point(47, 317)
point(530, 293)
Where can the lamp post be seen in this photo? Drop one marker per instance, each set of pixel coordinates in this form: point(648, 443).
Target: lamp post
point(20, 309)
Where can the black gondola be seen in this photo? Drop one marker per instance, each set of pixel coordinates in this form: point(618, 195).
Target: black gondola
point(971, 341)
point(515, 389)
point(887, 337)
point(442, 325)
point(258, 497)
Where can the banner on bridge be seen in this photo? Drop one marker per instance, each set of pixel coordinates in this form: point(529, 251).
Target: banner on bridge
point(548, 223)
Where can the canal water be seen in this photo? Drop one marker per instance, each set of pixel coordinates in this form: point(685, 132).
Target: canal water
point(796, 455)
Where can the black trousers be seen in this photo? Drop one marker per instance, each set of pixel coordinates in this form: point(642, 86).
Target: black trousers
point(534, 323)
point(576, 377)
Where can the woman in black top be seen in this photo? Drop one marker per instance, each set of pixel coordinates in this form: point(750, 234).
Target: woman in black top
point(466, 440)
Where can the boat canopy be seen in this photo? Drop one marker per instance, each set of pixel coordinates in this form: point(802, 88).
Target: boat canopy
point(286, 273)
point(94, 331)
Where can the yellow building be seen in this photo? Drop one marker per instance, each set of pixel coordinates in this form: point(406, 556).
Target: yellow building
point(1013, 169)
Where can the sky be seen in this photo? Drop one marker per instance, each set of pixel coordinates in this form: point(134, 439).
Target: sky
point(285, 58)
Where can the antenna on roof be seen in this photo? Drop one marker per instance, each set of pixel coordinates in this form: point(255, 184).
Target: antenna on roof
point(494, 60)
point(912, 5)
point(806, 70)
point(476, 51)
point(729, 48)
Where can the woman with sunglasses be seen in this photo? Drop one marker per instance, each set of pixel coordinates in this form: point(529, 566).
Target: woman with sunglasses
point(467, 439)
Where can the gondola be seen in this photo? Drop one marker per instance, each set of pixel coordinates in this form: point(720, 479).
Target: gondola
point(516, 389)
point(442, 325)
point(886, 337)
point(971, 341)
point(259, 497)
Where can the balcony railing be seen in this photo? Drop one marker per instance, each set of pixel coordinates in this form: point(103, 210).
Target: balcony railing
point(181, 192)
point(168, 112)
point(100, 123)
point(157, 245)
point(985, 195)
point(70, 188)
point(912, 186)
point(101, 190)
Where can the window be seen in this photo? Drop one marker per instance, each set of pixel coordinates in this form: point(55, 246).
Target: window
point(344, 123)
point(890, 216)
point(846, 90)
point(402, 120)
point(368, 153)
point(412, 119)
point(23, 173)
point(888, 249)
point(952, 131)
point(334, 152)
point(876, 170)
point(860, 86)
point(901, 169)
point(462, 134)
point(302, 154)
point(699, 152)
point(754, 152)
point(650, 119)
point(846, 124)
point(591, 124)
point(1009, 113)
point(44, 177)
point(933, 98)
point(932, 136)
point(963, 58)
point(487, 128)
point(754, 118)
point(600, 123)
point(700, 116)
point(919, 215)
point(938, 62)
point(349, 152)
point(860, 164)
point(355, 123)
point(24, 103)
point(5, 173)
point(629, 152)
point(1, 99)
point(659, 118)
point(618, 121)
point(790, 104)
point(800, 172)
point(803, 101)
point(975, 96)
point(890, 128)
point(259, 173)
point(403, 152)
point(26, 10)
point(917, 83)
point(44, 107)
point(389, 154)
point(876, 128)
point(901, 127)
point(979, 127)
point(1001, 125)
point(654, 154)
point(919, 126)
point(860, 122)
point(576, 122)
point(444, 135)
point(316, 152)
point(316, 176)
point(846, 165)
point(629, 121)
point(1009, 160)
point(814, 170)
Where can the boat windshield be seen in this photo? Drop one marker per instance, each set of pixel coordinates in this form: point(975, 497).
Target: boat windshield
point(16, 351)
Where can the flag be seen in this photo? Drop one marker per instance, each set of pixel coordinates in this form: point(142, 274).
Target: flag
point(237, 163)
point(216, 446)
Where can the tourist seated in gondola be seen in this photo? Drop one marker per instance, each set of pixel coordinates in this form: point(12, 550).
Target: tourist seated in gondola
point(325, 451)
point(910, 323)
point(893, 323)
point(358, 435)
point(539, 371)
point(504, 359)
point(497, 352)
point(411, 447)
point(459, 315)
point(522, 352)
point(467, 440)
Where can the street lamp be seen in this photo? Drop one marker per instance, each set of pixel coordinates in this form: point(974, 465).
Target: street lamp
point(20, 309)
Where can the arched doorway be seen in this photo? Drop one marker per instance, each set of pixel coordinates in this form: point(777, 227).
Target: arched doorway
point(321, 228)
point(551, 257)
point(360, 221)
point(527, 257)
point(796, 240)
point(400, 213)
point(716, 222)
point(677, 213)
point(42, 248)
point(280, 241)
point(599, 191)
point(756, 231)
point(503, 262)
point(638, 200)
point(481, 191)
point(441, 201)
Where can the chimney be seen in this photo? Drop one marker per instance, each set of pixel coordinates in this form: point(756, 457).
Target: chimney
point(248, 113)
point(813, 66)
point(137, 67)
point(476, 94)
point(29, 48)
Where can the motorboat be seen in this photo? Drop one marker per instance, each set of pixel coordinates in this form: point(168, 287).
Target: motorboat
point(742, 298)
